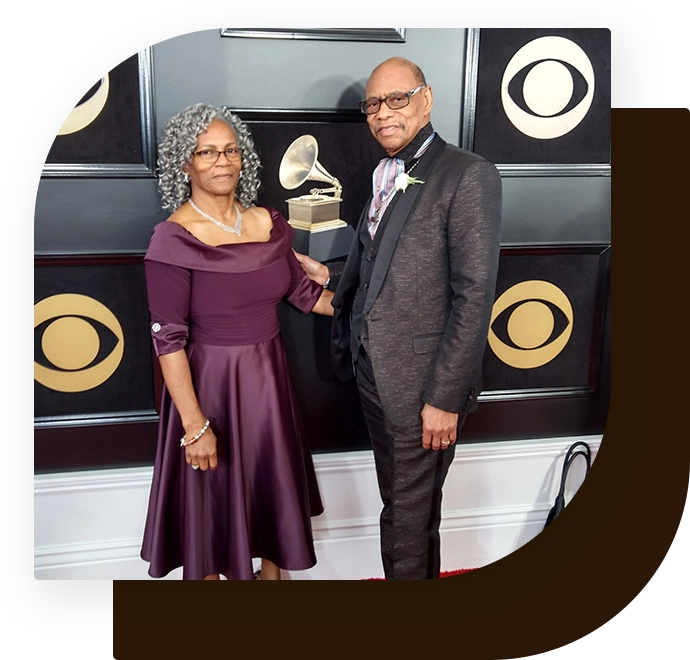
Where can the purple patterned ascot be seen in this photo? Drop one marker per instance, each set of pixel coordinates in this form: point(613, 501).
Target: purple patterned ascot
point(383, 181)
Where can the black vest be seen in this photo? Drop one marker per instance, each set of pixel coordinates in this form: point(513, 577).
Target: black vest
point(359, 331)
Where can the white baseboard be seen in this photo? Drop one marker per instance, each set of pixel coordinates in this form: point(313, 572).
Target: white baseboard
point(88, 525)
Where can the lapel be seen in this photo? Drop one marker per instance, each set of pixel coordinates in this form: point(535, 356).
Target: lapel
point(350, 276)
point(396, 215)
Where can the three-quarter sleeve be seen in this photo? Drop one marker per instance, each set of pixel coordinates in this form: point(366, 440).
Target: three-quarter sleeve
point(168, 289)
point(303, 292)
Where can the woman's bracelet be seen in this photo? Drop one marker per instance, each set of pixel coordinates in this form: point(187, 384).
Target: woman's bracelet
point(327, 282)
point(184, 442)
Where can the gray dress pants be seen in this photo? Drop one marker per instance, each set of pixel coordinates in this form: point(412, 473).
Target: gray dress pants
point(410, 480)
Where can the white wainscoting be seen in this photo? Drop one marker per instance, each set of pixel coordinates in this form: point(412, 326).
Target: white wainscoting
point(88, 525)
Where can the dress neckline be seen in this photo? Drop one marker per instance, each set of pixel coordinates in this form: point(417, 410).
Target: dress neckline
point(223, 245)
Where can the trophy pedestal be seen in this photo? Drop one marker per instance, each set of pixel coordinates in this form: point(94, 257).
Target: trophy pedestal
point(319, 232)
point(324, 243)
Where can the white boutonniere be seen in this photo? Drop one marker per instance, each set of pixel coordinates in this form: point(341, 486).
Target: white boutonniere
point(403, 180)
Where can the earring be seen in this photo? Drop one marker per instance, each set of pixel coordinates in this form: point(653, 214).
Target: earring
point(240, 176)
point(186, 177)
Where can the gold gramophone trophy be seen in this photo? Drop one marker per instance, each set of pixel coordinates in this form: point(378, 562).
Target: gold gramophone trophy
point(319, 231)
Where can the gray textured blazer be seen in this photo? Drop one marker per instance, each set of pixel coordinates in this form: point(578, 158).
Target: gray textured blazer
point(432, 289)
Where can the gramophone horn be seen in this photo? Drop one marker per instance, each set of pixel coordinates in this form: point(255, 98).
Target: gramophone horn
point(300, 164)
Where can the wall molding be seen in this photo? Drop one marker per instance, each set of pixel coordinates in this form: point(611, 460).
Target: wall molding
point(486, 515)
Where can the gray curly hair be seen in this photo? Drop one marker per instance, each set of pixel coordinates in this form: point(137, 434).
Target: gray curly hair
point(179, 143)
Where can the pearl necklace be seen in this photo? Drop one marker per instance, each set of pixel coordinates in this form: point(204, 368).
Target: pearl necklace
point(237, 229)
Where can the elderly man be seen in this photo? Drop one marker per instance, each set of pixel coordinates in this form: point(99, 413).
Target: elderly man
point(412, 308)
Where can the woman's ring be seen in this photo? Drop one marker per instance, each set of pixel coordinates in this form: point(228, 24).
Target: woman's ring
point(194, 466)
point(445, 443)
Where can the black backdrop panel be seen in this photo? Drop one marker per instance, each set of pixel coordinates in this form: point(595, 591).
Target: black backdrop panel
point(548, 402)
point(581, 274)
point(347, 150)
point(113, 424)
point(114, 136)
point(118, 285)
point(497, 138)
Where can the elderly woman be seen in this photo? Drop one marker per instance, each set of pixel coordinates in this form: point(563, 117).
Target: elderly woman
point(233, 475)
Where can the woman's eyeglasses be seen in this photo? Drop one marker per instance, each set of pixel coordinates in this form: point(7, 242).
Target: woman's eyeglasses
point(212, 155)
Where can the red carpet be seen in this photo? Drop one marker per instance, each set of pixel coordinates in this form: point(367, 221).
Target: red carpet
point(444, 574)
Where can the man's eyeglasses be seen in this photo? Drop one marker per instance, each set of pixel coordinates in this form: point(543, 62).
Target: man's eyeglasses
point(394, 101)
point(212, 155)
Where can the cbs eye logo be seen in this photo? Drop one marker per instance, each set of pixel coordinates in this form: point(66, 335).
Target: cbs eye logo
point(548, 87)
point(536, 325)
point(80, 338)
point(86, 112)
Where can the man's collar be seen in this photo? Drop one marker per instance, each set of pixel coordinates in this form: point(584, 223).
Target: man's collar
point(407, 152)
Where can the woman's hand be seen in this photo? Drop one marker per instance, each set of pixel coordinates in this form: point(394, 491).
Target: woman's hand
point(203, 451)
point(315, 270)
point(178, 379)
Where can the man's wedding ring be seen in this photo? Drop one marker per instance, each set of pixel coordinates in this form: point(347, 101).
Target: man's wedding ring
point(194, 466)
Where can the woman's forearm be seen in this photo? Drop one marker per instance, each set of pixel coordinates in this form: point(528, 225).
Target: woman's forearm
point(323, 304)
point(178, 380)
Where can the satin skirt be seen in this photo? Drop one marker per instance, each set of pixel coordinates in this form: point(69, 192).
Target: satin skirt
point(260, 500)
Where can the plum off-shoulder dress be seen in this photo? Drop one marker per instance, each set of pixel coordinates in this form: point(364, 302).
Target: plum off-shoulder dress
point(220, 304)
